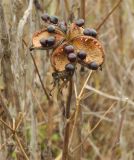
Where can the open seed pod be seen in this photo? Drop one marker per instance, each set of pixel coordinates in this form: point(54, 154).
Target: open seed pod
point(75, 31)
point(92, 47)
point(59, 58)
point(45, 34)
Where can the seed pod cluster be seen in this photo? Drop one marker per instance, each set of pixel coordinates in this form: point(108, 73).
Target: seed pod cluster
point(72, 44)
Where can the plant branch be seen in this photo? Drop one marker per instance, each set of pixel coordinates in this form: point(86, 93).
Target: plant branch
point(117, 138)
point(21, 147)
point(67, 115)
point(78, 98)
point(44, 89)
point(108, 15)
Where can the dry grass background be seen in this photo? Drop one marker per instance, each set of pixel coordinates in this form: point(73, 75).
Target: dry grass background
point(40, 132)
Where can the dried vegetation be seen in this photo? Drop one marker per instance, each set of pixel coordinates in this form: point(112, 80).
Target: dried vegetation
point(35, 125)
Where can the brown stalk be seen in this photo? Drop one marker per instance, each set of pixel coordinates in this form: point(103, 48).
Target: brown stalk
point(67, 115)
point(108, 15)
point(117, 138)
point(77, 119)
point(82, 8)
point(44, 89)
point(20, 146)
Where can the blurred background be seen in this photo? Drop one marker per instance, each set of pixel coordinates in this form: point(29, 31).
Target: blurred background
point(42, 127)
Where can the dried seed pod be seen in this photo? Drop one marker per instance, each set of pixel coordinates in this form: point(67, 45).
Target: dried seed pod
point(45, 34)
point(92, 47)
point(59, 58)
point(75, 31)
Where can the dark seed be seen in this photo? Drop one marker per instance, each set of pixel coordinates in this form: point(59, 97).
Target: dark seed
point(45, 17)
point(43, 42)
point(69, 67)
point(93, 65)
point(72, 57)
point(90, 32)
point(50, 41)
point(63, 28)
point(82, 55)
point(51, 29)
point(54, 19)
point(80, 22)
point(69, 49)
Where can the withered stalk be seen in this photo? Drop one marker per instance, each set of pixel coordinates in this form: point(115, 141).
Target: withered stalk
point(67, 126)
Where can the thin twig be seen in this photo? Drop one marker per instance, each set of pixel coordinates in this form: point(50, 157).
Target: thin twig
point(5, 108)
point(97, 124)
point(21, 147)
point(116, 98)
point(66, 132)
point(6, 124)
point(81, 92)
point(117, 138)
point(23, 20)
point(78, 98)
point(44, 89)
point(3, 145)
point(108, 15)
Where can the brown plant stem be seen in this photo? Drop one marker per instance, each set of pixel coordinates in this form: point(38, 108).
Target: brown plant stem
point(20, 146)
point(108, 15)
point(67, 115)
point(117, 138)
point(44, 89)
point(82, 8)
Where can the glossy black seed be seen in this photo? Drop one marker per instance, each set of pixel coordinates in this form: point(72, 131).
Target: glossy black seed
point(93, 65)
point(69, 67)
point(72, 57)
point(80, 22)
point(63, 28)
point(90, 32)
point(69, 49)
point(82, 55)
point(45, 17)
point(51, 29)
point(43, 42)
point(51, 41)
point(54, 19)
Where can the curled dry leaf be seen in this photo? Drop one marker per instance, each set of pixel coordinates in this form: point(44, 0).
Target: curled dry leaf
point(92, 47)
point(45, 34)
